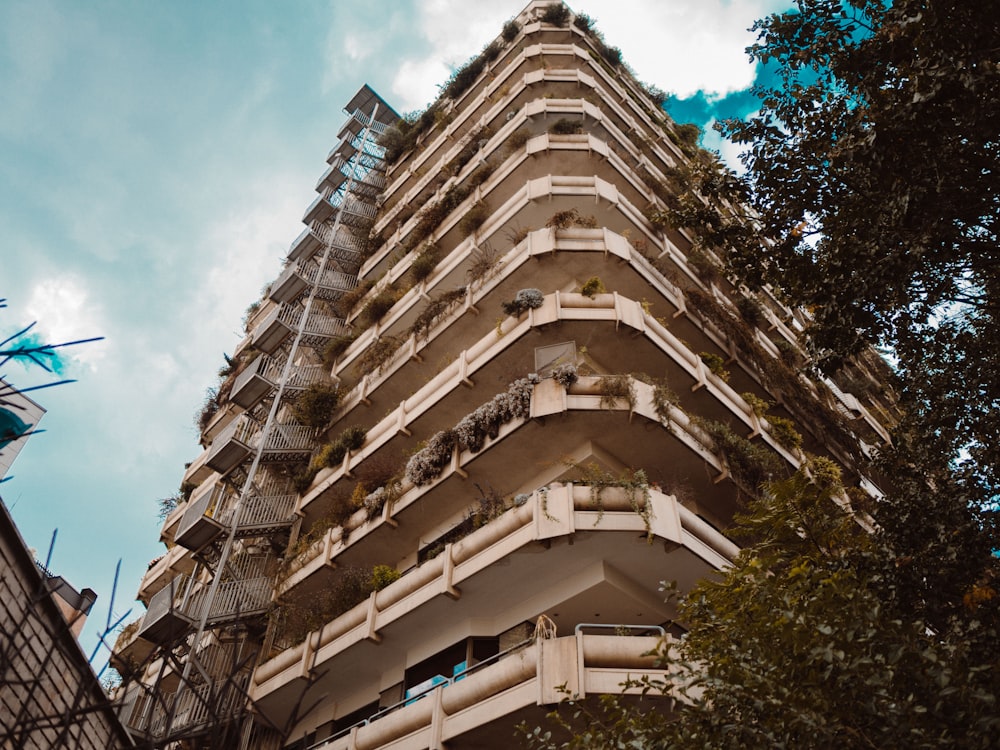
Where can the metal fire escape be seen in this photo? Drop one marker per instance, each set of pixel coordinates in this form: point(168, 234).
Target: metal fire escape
point(208, 626)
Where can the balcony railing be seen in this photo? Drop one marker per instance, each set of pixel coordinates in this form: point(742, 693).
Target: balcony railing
point(233, 445)
point(517, 680)
point(284, 320)
point(233, 600)
point(300, 276)
point(197, 707)
point(166, 619)
point(212, 513)
point(263, 374)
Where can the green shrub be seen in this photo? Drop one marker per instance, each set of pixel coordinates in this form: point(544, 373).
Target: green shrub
point(584, 22)
point(571, 218)
point(377, 354)
point(615, 388)
point(757, 405)
point(510, 31)
point(556, 14)
point(592, 287)
point(783, 430)
point(424, 264)
point(302, 480)
point(749, 310)
point(474, 218)
point(517, 139)
point(346, 302)
point(751, 464)
point(566, 126)
point(316, 405)
point(334, 348)
point(353, 437)
point(382, 576)
point(716, 364)
point(379, 305)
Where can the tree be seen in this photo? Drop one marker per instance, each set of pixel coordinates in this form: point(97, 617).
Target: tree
point(809, 640)
point(873, 170)
point(874, 167)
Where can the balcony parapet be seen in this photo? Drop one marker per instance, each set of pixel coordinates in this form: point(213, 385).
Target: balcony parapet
point(549, 513)
point(557, 307)
point(537, 673)
point(506, 87)
point(556, 510)
point(177, 560)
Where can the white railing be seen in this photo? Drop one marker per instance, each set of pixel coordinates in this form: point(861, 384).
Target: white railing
point(200, 705)
point(242, 429)
point(266, 510)
point(290, 437)
point(235, 599)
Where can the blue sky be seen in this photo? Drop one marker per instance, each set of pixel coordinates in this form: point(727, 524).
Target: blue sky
point(155, 161)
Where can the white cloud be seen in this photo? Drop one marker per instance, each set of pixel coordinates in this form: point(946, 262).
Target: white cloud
point(682, 46)
point(66, 312)
point(416, 83)
point(245, 248)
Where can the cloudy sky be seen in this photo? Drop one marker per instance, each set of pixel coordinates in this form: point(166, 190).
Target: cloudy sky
point(156, 159)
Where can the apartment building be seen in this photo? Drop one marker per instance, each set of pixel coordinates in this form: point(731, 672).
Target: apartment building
point(490, 403)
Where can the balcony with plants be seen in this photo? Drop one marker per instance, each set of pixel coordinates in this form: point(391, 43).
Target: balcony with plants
point(479, 705)
point(483, 576)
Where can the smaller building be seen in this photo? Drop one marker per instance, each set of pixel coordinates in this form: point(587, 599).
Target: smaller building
point(49, 695)
point(19, 417)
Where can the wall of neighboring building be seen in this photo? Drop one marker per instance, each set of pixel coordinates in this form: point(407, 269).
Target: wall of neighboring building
point(18, 415)
point(49, 695)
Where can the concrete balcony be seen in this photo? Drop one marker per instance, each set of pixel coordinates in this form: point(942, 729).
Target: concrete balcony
point(130, 651)
point(298, 277)
point(177, 560)
point(263, 374)
point(556, 553)
point(311, 239)
point(211, 513)
point(481, 708)
point(166, 618)
point(283, 321)
point(233, 445)
point(321, 209)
